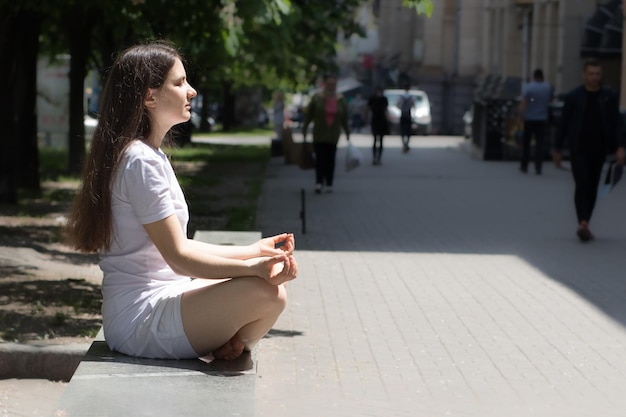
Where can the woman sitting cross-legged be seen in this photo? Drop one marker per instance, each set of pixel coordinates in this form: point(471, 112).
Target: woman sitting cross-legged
point(164, 295)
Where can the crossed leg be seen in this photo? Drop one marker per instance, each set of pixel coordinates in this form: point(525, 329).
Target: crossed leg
point(228, 317)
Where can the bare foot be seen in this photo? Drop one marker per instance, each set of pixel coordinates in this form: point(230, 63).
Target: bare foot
point(230, 350)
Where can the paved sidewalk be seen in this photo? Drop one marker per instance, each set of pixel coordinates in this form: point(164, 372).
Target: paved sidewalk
point(29, 397)
point(439, 284)
point(436, 285)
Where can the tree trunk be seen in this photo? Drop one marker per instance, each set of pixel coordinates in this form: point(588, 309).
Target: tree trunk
point(79, 28)
point(14, 108)
point(8, 185)
point(228, 114)
point(26, 103)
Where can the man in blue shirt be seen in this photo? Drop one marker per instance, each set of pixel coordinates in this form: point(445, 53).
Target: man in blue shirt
point(536, 98)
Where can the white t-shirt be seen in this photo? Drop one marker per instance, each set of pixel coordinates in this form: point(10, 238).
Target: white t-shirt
point(144, 190)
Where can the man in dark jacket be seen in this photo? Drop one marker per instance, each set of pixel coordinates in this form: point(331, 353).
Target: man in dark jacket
point(593, 128)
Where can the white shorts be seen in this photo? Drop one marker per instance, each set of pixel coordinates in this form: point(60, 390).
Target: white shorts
point(161, 335)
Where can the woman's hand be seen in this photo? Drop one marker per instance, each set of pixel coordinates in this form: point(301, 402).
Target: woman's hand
point(277, 269)
point(286, 243)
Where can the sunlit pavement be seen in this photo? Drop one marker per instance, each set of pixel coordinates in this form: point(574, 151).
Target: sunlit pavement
point(438, 284)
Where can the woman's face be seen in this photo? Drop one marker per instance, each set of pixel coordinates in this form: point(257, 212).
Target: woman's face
point(171, 103)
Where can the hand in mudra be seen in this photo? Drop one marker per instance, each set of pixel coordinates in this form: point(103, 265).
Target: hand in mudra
point(276, 245)
point(284, 271)
point(276, 269)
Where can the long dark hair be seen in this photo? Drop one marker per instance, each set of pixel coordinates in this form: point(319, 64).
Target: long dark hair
point(123, 119)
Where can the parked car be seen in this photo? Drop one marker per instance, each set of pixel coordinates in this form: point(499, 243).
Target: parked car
point(90, 126)
point(422, 120)
point(195, 120)
point(468, 119)
point(263, 118)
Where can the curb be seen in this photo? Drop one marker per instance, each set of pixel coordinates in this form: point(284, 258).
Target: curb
point(52, 362)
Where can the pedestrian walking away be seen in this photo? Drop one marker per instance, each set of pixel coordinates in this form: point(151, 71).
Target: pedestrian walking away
point(379, 122)
point(405, 104)
point(534, 111)
point(164, 295)
point(592, 127)
point(357, 110)
point(328, 111)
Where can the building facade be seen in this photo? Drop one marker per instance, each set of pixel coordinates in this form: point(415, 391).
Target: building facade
point(466, 43)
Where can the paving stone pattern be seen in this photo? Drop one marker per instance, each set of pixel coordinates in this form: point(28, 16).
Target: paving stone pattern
point(436, 285)
point(439, 284)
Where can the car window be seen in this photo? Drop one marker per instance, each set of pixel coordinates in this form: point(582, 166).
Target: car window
point(418, 99)
point(394, 97)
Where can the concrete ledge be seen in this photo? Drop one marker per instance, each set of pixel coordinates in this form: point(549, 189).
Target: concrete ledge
point(53, 362)
point(58, 362)
point(110, 383)
point(227, 237)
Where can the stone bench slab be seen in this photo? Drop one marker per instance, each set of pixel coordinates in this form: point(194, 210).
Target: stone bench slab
point(219, 237)
point(108, 383)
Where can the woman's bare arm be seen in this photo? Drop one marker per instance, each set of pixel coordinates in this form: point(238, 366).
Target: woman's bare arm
point(191, 258)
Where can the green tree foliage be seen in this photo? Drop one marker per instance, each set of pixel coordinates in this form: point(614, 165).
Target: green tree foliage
point(228, 44)
point(420, 6)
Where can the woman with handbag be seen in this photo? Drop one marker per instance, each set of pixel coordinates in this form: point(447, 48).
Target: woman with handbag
point(329, 113)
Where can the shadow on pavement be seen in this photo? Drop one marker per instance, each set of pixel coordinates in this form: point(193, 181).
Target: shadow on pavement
point(439, 199)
